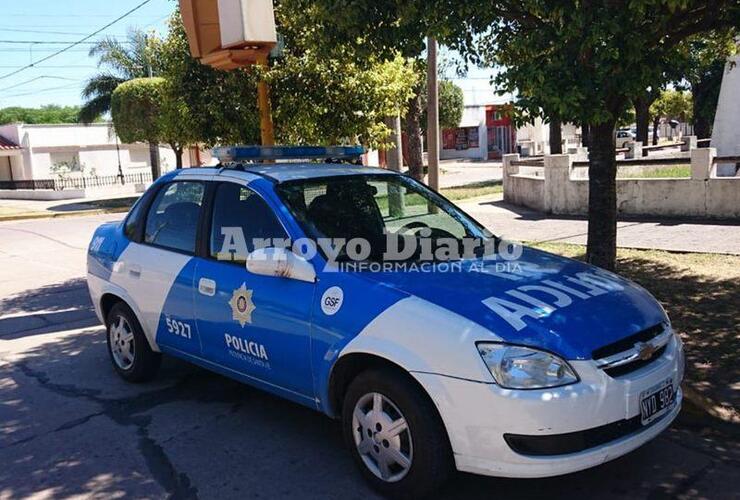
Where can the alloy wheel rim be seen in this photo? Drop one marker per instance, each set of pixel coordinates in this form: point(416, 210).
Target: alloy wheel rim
point(121, 338)
point(382, 437)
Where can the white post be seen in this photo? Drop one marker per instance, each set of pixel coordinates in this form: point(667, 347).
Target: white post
point(689, 143)
point(432, 115)
point(635, 150)
point(701, 163)
point(557, 175)
point(508, 170)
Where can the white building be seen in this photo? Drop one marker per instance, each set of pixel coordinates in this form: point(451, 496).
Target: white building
point(32, 152)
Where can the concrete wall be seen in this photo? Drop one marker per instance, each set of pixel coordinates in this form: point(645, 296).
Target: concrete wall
point(561, 191)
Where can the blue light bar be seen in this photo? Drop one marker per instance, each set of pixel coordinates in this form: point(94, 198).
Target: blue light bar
point(256, 153)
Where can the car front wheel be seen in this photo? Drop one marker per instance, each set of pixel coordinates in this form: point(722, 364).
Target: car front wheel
point(128, 348)
point(395, 435)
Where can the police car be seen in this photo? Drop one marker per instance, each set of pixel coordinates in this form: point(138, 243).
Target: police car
point(503, 363)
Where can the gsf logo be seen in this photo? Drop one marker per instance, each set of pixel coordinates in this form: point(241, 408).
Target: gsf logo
point(332, 300)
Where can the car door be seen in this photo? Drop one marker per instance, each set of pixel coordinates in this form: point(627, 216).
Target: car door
point(257, 326)
point(156, 269)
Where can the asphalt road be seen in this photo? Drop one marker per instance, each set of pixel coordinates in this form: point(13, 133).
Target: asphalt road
point(70, 427)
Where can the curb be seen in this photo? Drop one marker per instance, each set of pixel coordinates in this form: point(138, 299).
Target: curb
point(61, 215)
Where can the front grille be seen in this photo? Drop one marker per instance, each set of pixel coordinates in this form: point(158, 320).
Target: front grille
point(627, 342)
point(573, 442)
point(618, 371)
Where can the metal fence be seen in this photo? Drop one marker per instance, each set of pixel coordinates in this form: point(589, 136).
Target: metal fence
point(60, 184)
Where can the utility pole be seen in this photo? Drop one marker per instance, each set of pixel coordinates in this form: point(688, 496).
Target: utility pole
point(263, 102)
point(394, 160)
point(153, 147)
point(432, 115)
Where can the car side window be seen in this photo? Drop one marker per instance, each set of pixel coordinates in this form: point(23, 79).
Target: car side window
point(172, 221)
point(133, 219)
point(241, 221)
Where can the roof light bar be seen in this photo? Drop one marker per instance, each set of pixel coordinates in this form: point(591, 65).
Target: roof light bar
point(257, 153)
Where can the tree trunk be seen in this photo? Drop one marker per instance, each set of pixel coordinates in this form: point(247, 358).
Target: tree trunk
point(585, 134)
point(412, 126)
point(656, 124)
point(154, 160)
point(642, 118)
point(556, 137)
point(602, 197)
point(178, 155)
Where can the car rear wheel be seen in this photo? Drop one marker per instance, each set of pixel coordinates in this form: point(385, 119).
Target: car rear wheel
point(128, 348)
point(395, 435)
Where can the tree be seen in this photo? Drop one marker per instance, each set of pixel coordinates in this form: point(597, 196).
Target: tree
point(333, 31)
point(451, 105)
point(120, 62)
point(671, 105)
point(147, 110)
point(328, 101)
point(703, 59)
point(579, 61)
point(323, 92)
point(51, 113)
point(221, 105)
point(585, 62)
point(317, 98)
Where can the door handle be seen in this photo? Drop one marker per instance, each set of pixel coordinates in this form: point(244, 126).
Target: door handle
point(134, 270)
point(207, 287)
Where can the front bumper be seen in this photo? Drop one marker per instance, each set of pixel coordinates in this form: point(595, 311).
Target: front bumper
point(478, 415)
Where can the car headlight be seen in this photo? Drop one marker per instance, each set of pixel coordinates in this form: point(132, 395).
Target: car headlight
point(517, 367)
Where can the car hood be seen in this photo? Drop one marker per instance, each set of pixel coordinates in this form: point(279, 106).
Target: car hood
point(539, 300)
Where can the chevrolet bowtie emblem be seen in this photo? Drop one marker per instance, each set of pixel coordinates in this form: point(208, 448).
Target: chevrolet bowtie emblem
point(645, 351)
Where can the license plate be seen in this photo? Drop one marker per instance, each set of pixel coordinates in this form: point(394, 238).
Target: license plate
point(656, 401)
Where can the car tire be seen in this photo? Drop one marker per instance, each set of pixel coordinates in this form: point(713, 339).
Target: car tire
point(424, 445)
point(128, 347)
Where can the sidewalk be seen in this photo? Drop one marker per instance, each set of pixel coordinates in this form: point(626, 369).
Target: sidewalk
point(523, 224)
point(31, 209)
point(456, 173)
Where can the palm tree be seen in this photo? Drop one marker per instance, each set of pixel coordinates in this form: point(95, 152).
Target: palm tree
point(119, 61)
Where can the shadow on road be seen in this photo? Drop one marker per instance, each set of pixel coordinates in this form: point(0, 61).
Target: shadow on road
point(48, 309)
point(77, 429)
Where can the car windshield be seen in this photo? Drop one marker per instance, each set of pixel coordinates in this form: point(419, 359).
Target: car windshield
point(377, 208)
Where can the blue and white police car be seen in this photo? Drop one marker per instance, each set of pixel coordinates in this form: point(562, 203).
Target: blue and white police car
point(503, 363)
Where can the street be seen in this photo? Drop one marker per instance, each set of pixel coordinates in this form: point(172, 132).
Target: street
point(72, 427)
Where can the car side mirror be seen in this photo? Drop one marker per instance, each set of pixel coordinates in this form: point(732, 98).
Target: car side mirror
point(280, 262)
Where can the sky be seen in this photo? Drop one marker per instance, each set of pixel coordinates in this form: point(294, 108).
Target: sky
point(60, 79)
point(33, 29)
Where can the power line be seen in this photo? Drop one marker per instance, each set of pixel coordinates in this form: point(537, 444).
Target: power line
point(47, 32)
point(49, 89)
point(52, 42)
point(42, 77)
point(39, 49)
point(33, 14)
point(65, 66)
point(77, 42)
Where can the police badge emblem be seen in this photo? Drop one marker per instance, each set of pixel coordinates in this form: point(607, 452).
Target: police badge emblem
point(242, 305)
